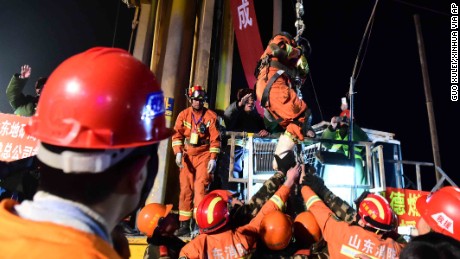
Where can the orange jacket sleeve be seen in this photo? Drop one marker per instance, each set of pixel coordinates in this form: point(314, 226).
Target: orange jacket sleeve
point(210, 120)
point(179, 136)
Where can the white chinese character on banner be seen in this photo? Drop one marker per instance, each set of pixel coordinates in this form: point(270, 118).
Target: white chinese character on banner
point(14, 129)
point(16, 153)
point(22, 132)
point(6, 154)
point(27, 151)
point(5, 129)
point(243, 14)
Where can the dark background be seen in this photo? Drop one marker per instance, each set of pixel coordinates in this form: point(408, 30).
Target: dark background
point(390, 95)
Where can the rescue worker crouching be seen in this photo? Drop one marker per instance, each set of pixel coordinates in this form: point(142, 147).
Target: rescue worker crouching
point(158, 223)
point(370, 235)
point(196, 144)
point(282, 70)
point(218, 238)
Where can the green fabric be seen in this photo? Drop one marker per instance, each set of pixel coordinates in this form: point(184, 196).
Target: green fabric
point(341, 133)
point(23, 105)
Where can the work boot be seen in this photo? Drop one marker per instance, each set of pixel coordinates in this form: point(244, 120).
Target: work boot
point(184, 229)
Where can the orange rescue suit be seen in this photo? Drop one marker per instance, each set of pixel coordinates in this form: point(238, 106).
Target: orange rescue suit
point(234, 243)
point(283, 102)
point(193, 177)
point(344, 240)
point(22, 238)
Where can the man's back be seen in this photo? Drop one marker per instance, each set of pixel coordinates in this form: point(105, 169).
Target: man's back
point(49, 240)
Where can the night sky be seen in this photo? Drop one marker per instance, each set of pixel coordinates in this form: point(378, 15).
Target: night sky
point(390, 95)
point(389, 89)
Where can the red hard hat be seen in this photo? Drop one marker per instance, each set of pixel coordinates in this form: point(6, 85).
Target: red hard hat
point(306, 229)
point(441, 211)
point(102, 98)
point(276, 230)
point(150, 216)
point(375, 211)
point(212, 213)
point(197, 92)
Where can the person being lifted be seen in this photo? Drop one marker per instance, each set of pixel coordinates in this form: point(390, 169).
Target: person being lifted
point(22, 104)
point(282, 70)
point(196, 144)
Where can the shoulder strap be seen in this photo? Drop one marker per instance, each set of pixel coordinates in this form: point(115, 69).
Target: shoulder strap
point(269, 86)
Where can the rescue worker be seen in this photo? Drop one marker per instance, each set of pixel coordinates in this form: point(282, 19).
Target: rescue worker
point(339, 130)
point(276, 230)
point(440, 212)
point(282, 69)
point(98, 121)
point(375, 218)
point(218, 239)
point(277, 233)
point(22, 104)
point(240, 116)
point(196, 144)
point(158, 223)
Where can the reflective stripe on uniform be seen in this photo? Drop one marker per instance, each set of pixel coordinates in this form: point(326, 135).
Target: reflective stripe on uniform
point(177, 143)
point(311, 200)
point(336, 147)
point(278, 201)
point(185, 213)
point(187, 124)
point(351, 252)
point(214, 150)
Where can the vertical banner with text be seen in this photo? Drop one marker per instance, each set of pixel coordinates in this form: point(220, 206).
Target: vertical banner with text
point(248, 38)
point(403, 201)
point(14, 142)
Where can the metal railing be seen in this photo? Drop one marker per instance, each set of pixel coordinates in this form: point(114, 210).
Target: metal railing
point(418, 174)
point(258, 163)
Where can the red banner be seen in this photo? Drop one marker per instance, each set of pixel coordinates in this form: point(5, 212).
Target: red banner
point(403, 203)
point(14, 142)
point(248, 39)
point(247, 36)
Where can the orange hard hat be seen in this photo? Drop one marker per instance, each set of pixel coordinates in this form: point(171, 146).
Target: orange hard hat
point(150, 216)
point(306, 229)
point(441, 211)
point(102, 98)
point(276, 230)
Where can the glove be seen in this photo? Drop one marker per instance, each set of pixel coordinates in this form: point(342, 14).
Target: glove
point(287, 162)
point(211, 166)
point(179, 160)
point(316, 184)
